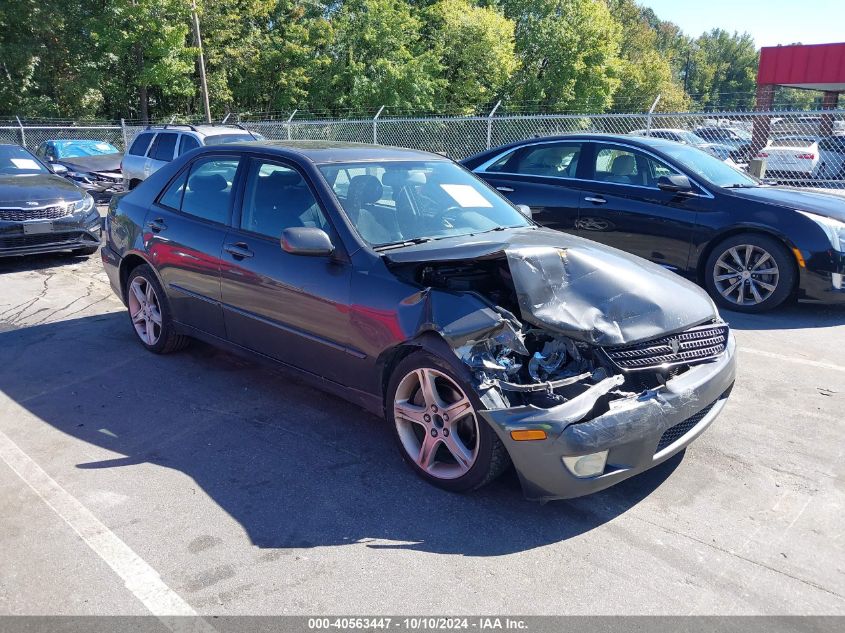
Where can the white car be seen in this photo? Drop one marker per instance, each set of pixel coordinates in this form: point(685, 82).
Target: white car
point(157, 145)
point(791, 157)
point(831, 158)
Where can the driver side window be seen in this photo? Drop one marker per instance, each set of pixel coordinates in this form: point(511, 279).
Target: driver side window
point(276, 198)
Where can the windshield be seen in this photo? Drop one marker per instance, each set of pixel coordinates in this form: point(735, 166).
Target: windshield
point(708, 167)
point(239, 137)
point(394, 202)
point(73, 149)
point(16, 160)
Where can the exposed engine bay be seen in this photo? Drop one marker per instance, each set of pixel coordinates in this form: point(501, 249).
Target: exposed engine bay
point(528, 364)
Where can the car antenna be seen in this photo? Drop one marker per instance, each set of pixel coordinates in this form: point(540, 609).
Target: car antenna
point(247, 130)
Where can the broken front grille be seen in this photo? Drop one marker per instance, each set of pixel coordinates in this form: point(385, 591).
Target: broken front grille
point(696, 345)
point(43, 213)
point(674, 433)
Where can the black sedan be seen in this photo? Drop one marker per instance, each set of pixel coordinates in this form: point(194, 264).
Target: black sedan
point(396, 279)
point(41, 212)
point(751, 245)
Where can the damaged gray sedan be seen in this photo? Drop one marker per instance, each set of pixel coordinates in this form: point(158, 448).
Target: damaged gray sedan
point(396, 279)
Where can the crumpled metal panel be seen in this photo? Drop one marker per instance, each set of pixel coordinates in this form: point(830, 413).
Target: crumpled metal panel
point(581, 289)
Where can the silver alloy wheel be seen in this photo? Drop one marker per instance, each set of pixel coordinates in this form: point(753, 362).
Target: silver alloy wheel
point(746, 275)
point(145, 310)
point(437, 424)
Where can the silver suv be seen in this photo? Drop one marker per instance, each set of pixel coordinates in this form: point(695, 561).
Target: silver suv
point(157, 145)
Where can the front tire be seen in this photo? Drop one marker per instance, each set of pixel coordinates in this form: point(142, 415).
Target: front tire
point(433, 411)
point(149, 312)
point(750, 273)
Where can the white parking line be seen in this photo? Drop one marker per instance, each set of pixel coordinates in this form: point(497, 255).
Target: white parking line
point(793, 359)
point(141, 579)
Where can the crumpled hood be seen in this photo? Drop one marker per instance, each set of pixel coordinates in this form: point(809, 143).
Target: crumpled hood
point(103, 162)
point(579, 288)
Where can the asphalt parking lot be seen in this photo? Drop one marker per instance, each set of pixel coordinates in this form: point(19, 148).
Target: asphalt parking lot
point(200, 482)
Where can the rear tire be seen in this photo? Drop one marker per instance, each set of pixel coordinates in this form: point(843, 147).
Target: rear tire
point(149, 312)
point(458, 454)
point(750, 273)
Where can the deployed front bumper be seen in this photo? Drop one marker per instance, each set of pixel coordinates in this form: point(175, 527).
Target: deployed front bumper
point(68, 233)
point(638, 432)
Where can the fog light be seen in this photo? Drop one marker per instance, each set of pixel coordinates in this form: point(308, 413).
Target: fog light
point(838, 282)
point(586, 465)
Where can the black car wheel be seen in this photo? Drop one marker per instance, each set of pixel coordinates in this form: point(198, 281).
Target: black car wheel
point(433, 410)
point(150, 314)
point(750, 273)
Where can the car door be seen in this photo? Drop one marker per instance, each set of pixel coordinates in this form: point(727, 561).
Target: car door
point(161, 152)
point(293, 308)
point(184, 230)
point(542, 176)
point(623, 207)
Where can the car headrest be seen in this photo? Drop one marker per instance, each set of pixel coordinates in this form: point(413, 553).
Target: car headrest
point(623, 165)
point(207, 184)
point(285, 178)
point(364, 189)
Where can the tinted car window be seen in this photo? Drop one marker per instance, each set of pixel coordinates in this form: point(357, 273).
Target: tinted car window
point(208, 193)
point(164, 146)
point(187, 143)
point(141, 143)
point(172, 196)
point(552, 159)
point(629, 167)
point(277, 198)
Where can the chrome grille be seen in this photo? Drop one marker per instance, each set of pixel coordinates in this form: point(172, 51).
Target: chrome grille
point(696, 345)
point(42, 213)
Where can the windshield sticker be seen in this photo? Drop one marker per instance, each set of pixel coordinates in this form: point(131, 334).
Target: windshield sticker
point(466, 196)
point(25, 163)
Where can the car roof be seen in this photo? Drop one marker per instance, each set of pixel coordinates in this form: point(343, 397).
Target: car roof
point(323, 152)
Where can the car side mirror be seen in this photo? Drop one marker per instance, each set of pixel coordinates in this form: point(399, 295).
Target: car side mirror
point(59, 169)
point(306, 240)
point(675, 183)
point(525, 210)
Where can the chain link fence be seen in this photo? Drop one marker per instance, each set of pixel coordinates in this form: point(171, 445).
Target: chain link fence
point(798, 148)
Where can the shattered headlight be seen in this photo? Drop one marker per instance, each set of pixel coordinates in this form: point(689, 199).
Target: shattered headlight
point(84, 205)
point(834, 229)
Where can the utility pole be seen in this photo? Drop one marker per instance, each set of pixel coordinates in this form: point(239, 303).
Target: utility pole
point(195, 23)
point(686, 74)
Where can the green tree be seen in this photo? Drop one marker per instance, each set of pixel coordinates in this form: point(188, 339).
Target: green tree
point(646, 71)
point(263, 54)
point(569, 53)
point(377, 57)
point(723, 70)
point(476, 50)
point(145, 55)
point(46, 62)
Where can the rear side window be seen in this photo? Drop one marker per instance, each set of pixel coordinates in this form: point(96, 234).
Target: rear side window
point(187, 143)
point(208, 191)
point(164, 146)
point(141, 143)
point(559, 160)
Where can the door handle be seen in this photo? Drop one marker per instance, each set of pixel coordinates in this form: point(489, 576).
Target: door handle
point(505, 189)
point(239, 250)
point(157, 225)
point(594, 199)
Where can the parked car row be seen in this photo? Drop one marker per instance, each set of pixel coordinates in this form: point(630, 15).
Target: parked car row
point(789, 157)
point(545, 312)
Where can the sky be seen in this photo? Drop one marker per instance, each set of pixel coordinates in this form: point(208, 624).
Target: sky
point(770, 22)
